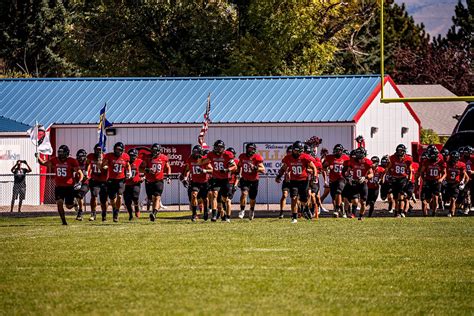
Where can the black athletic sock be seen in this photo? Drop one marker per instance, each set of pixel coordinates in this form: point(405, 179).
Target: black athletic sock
point(252, 208)
point(194, 210)
point(294, 215)
point(155, 212)
point(371, 209)
point(242, 207)
point(214, 213)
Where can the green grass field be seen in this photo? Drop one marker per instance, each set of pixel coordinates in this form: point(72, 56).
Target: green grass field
point(268, 266)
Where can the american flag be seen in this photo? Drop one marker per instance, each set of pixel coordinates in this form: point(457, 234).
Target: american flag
point(205, 123)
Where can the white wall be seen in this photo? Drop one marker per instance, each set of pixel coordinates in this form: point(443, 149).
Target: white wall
point(11, 150)
point(389, 118)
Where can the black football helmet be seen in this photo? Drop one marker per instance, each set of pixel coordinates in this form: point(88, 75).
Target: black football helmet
point(250, 149)
point(197, 151)
point(119, 148)
point(232, 150)
point(359, 153)
point(424, 155)
point(375, 160)
point(219, 147)
point(468, 150)
point(289, 149)
point(384, 161)
point(97, 150)
point(307, 149)
point(155, 149)
point(81, 155)
point(133, 153)
point(297, 148)
point(445, 152)
point(454, 157)
point(324, 152)
point(338, 150)
point(205, 152)
point(401, 150)
point(433, 154)
point(63, 152)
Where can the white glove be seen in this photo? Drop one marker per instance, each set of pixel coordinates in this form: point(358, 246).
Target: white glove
point(77, 186)
point(362, 179)
point(462, 185)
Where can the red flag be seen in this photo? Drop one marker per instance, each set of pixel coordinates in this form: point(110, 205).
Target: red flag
point(205, 123)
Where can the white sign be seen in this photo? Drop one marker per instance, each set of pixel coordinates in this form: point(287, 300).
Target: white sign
point(272, 154)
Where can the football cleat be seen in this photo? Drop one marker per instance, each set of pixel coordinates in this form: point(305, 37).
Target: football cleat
point(294, 221)
point(391, 211)
point(402, 215)
point(449, 215)
point(344, 215)
point(115, 214)
point(281, 215)
point(130, 217)
point(252, 215)
point(242, 214)
point(152, 217)
point(205, 216)
point(227, 219)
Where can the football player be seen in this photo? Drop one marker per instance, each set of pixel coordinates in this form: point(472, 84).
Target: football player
point(98, 181)
point(327, 191)
point(373, 184)
point(118, 165)
point(234, 178)
point(249, 166)
point(194, 177)
point(157, 170)
point(313, 179)
point(399, 170)
point(298, 164)
point(222, 163)
point(456, 178)
point(82, 189)
point(133, 184)
point(386, 187)
point(285, 185)
point(468, 159)
point(64, 168)
point(433, 172)
point(361, 171)
point(337, 182)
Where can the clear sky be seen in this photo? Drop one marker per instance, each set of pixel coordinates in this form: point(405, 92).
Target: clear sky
point(434, 14)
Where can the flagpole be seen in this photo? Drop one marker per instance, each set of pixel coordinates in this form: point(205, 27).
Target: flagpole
point(36, 135)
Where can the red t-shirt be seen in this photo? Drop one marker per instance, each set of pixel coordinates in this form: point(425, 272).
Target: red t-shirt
point(335, 173)
point(220, 162)
point(297, 166)
point(400, 167)
point(135, 170)
point(96, 172)
point(64, 171)
point(433, 170)
point(359, 168)
point(195, 170)
point(455, 173)
point(157, 167)
point(374, 182)
point(247, 163)
point(117, 165)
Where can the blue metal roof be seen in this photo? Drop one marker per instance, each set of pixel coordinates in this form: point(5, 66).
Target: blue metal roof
point(7, 125)
point(183, 100)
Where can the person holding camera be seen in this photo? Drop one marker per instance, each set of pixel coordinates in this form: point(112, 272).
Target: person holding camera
point(19, 182)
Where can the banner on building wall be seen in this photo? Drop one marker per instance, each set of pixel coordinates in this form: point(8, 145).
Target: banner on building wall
point(272, 154)
point(177, 154)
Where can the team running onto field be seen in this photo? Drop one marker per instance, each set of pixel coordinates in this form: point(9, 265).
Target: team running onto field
point(353, 181)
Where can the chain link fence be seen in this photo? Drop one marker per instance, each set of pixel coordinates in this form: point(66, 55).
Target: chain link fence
point(37, 193)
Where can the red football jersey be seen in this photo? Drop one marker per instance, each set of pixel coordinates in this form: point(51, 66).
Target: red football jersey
point(64, 171)
point(400, 167)
point(297, 166)
point(220, 162)
point(135, 170)
point(195, 170)
point(117, 165)
point(83, 167)
point(247, 165)
point(374, 182)
point(455, 173)
point(157, 167)
point(359, 168)
point(96, 172)
point(469, 165)
point(335, 173)
point(433, 170)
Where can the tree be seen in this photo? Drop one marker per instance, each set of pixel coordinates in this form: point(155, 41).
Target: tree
point(359, 53)
point(289, 37)
point(428, 137)
point(31, 36)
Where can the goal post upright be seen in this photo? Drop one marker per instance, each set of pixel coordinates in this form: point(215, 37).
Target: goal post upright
point(382, 75)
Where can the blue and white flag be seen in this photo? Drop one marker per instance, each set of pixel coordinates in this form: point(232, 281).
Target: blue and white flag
point(103, 125)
